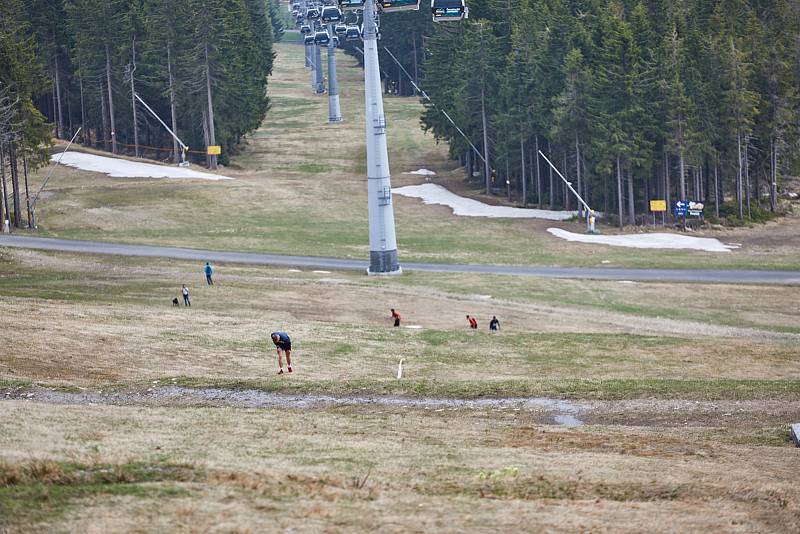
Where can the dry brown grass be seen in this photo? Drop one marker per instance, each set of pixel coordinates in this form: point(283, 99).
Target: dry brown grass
point(453, 471)
point(89, 321)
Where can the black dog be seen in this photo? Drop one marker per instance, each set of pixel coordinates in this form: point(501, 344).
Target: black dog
point(175, 301)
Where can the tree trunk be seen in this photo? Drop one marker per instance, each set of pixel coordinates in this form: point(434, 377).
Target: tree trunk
point(739, 195)
point(619, 195)
point(212, 138)
point(12, 156)
point(667, 185)
point(205, 136)
point(524, 177)
point(60, 121)
point(565, 189)
point(508, 180)
point(773, 186)
point(133, 102)
point(416, 67)
point(83, 108)
point(716, 188)
point(3, 200)
point(578, 174)
point(682, 182)
point(538, 176)
point(176, 158)
point(747, 173)
point(486, 166)
point(27, 190)
point(631, 199)
point(104, 113)
point(111, 103)
point(550, 168)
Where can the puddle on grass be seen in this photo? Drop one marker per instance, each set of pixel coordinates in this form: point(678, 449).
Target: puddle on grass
point(563, 412)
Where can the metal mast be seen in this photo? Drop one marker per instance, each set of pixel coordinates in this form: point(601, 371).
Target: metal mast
point(319, 77)
point(334, 110)
point(382, 240)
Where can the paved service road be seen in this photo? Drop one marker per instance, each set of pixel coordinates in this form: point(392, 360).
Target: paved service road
point(609, 273)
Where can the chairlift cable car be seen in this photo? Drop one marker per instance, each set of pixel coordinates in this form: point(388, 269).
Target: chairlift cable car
point(351, 5)
point(390, 6)
point(330, 14)
point(449, 10)
point(322, 38)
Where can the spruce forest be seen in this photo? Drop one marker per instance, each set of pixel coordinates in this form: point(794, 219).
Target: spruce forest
point(633, 100)
point(69, 64)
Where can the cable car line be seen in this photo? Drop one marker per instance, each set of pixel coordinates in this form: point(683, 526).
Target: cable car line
point(428, 98)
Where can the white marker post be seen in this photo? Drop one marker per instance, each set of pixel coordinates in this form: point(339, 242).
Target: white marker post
point(400, 369)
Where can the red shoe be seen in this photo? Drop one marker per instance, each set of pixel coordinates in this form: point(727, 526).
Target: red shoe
point(280, 372)
point(290, 369)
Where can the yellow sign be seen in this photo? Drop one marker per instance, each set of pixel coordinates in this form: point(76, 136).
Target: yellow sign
point(658, 205)
point(214, 150)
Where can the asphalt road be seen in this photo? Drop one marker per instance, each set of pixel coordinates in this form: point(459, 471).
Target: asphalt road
point(310, 262)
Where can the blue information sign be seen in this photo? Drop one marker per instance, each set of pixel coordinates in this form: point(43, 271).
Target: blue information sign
point(680, 208)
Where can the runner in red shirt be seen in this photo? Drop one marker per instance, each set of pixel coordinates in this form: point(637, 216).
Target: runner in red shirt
point(396, 317)
point(473, 322)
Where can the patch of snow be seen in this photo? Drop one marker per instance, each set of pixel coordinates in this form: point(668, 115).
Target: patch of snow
point(122, 168)
point(321, 272)
point(414, 327)
point(483, 297)
point(422, 172)
point(467, 207)
point(295, 271)
point(627, 282)
point(659, 241)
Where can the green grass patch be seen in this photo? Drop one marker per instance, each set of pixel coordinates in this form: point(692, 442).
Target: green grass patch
point(42, 490)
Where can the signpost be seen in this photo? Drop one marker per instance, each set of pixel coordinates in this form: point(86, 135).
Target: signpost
point(658, 206)
point(214, 150)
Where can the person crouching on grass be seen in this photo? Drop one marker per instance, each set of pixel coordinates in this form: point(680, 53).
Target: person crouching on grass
point(284, 345)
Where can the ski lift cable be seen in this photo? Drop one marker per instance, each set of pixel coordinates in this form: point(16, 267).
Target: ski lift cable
point(428, 98)
point(53, 168)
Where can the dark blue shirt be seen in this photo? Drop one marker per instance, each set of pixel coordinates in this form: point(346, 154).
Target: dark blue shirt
point(283, 339)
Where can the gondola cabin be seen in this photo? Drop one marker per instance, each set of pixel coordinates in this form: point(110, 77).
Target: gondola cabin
point(340, 29)
point(322, 38)
point(353, 33)
point(308, 40)
point(312, 13)
point(330, 14)
point(390, 6)
point(449, 10)
point(305, 29)
point(351, 5)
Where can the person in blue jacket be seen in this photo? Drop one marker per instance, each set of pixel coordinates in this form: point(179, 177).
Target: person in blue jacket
point(284, 345)
point(209, 271)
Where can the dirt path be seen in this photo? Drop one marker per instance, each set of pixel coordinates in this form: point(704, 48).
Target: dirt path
point(637, 412)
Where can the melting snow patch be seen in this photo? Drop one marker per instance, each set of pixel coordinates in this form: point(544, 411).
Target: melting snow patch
point(436, 194)
point(422, 172)
point(663, 241)
point(414, 327)
point(122, 168)
point(321, 272)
